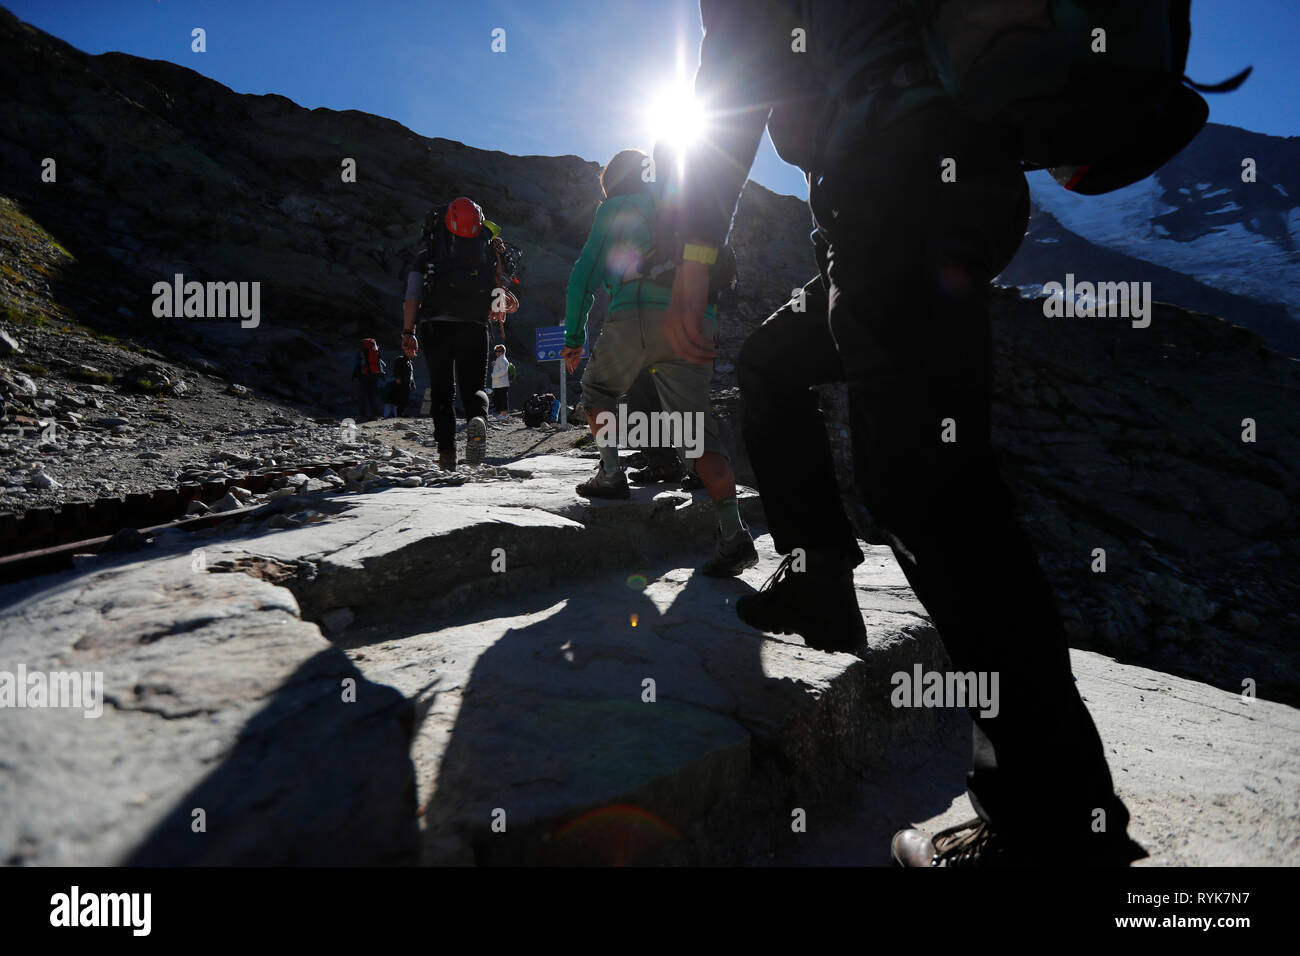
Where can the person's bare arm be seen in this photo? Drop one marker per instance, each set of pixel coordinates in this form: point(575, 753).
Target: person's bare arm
point(741, 40)
point(410, 309)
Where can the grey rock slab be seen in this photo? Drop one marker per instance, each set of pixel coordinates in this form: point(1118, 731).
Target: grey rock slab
point(538, 711)
point(217, 697)
point(391, 542)
point(1209, 778)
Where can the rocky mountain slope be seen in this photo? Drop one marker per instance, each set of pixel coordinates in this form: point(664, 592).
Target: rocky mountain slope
point(1118, 438)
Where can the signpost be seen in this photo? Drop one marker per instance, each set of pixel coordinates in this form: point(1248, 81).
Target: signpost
point(550, 342)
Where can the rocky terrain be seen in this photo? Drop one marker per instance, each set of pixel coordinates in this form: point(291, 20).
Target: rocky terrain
point(1124, 439)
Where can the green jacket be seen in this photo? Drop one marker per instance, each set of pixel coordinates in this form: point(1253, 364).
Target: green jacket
point(621, 237)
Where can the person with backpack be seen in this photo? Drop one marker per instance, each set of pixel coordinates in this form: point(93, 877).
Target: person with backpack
point(620, 254)
point(401, 388)
point(502, 371)
point(911, 121)
point(452, 289)
point(368, 369)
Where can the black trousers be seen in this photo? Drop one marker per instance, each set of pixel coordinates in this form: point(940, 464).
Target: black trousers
point(456, 353)
point(900, 312)
point(368, 396)
point(501, 399)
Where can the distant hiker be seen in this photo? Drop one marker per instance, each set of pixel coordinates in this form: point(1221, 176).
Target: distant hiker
point(632, 340)
point(450, 292)
point(368, 369)
point(501, 370)
point(401, 388)
point(918, 204)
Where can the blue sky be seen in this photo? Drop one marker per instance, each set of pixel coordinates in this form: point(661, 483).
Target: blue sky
point(576, 76)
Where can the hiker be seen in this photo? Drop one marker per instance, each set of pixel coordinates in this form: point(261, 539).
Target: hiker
point(450, 293)
point(368, 369)
point(656, 465)
point(632, 340)
point(900, 311)
point(501, 372)
point(401, 388)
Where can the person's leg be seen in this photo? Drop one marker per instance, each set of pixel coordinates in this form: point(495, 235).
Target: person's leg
point(909, 267)
point(659, 464)
point(370, 391)
point(438, 361)
point(785, 432)
point(617, 357)
point(683, 389)
point(470, 352)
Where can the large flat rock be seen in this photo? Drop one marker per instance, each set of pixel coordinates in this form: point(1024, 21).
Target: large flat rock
point(225, 736)
point(1210, 778)
point(537, 737)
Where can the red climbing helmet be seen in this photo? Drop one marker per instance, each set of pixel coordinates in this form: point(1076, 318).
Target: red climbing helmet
point(464, 218)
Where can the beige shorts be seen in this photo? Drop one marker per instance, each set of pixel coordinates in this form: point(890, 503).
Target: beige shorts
point(634, 339)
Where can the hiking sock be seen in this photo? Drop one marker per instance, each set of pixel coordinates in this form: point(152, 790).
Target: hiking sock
point(609, 459)
point(729, 516)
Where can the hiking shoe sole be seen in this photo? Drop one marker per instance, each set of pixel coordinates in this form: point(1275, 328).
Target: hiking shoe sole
point(475, 441)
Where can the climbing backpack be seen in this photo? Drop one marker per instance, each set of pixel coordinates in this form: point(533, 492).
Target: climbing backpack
point(534, 411)
point(460, 272)
point(1092, 90)
point(370, 364)
point(660, 264)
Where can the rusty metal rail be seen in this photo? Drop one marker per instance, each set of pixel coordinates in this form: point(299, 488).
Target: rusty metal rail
point(45, 539)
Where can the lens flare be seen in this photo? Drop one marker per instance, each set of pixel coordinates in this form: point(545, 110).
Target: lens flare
point(675, 117)
point(634, 620)
point(637, 582)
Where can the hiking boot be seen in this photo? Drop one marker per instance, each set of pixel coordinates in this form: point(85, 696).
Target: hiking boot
point(730, 555)
point(819, 603)
point(447, 460)
point(475, 440)
point(970, 844)
point(976, 844)
point(657, 473)
point(605, 485)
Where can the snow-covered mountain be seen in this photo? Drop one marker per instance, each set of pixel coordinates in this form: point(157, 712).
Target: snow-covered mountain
point(1203, 236)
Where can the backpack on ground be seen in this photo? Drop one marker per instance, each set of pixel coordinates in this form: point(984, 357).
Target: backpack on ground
point(370, 363)
point(534, 411)
point(1093, 89)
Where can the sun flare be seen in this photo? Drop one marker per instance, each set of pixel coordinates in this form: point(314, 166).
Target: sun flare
point(675, 117)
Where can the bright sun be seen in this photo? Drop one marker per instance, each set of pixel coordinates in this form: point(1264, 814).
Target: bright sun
point(675, 117)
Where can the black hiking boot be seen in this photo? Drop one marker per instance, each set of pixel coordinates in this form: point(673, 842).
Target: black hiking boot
point(730, 555)
point(604, 485)
point(657, 473)
point(447, 460)
point(819, 603)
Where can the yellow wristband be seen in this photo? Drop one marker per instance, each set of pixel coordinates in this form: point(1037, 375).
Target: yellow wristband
point(705, 255)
